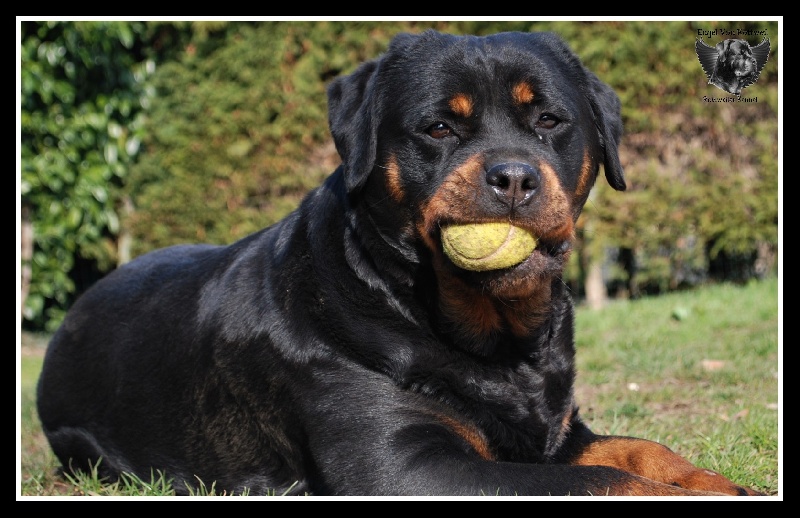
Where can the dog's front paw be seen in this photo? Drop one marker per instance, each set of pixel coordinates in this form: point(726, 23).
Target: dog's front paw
point(707, 480)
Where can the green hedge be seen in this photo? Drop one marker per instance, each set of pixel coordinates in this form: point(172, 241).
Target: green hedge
point(229, 131)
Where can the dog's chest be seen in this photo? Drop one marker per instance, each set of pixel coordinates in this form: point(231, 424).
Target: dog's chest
point(523, 408)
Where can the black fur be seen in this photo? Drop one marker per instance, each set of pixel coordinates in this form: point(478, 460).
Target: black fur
point(339, 351)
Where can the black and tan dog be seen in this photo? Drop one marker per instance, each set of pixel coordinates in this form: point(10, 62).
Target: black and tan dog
point(339, 351)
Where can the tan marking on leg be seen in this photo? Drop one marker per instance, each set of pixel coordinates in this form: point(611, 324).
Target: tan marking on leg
point(656, 462)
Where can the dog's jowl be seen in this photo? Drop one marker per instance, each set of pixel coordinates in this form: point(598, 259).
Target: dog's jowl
point(341, 350)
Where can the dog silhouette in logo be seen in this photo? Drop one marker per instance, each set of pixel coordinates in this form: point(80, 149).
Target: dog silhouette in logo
point(732, 65)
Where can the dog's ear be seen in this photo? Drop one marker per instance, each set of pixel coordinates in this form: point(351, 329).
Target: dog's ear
point(354, 113)
point(722, 50)
point(353, 122)
point(605, 104)
point(608, 119)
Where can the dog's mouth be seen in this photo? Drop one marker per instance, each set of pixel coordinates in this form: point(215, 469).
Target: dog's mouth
point(526, 279)
point(547, 255)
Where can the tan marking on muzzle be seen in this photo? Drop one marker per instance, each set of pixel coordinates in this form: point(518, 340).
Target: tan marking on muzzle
point(458, 190)
point(558, 216)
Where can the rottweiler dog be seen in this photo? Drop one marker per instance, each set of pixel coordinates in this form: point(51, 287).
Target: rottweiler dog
point(340, 351)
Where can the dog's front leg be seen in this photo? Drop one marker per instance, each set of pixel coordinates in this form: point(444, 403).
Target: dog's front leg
point(655, 462)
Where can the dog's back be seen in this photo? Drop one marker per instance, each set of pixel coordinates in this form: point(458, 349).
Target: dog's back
point(133, 379)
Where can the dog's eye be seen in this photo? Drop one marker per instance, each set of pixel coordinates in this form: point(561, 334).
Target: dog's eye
point(547, 121)
point(439, 130)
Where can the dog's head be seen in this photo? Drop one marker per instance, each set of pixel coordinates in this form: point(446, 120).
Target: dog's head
point(448, 129)
point(736, 65)
point(737, 57)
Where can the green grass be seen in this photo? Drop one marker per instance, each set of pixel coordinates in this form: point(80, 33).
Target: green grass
point(696, 371)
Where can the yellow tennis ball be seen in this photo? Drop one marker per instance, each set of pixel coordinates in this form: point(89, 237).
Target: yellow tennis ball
point(487, 246)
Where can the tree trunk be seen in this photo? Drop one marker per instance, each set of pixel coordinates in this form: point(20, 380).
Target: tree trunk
point(765, 259)
point(125, 239)
point(627, 259)
point(596, 293)
point(26, 253)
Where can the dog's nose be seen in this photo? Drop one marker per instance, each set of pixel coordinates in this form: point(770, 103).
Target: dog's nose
point(515, 183)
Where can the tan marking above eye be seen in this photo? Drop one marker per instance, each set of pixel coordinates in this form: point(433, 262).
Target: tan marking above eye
point(522, 93)
point(461, 104)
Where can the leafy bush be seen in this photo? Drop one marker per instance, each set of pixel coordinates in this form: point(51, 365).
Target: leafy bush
point(167, 132)
point(81, 124)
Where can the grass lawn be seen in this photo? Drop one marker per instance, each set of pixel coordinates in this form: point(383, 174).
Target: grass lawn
point(697, 371)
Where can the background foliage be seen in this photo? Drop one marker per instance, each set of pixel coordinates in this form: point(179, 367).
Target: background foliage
point(83, 97)
point(137, 135)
